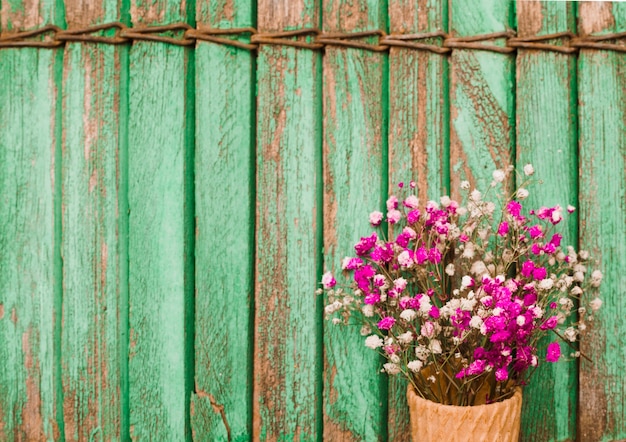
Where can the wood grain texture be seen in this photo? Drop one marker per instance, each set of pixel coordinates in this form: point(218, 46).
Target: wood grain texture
point(418, 135)
point(482, 102)
point(225, 210)
point(29, 276)
point(355, 175)
point(286, 363)
point(546, 137)
point(602, 115)
point(92, 312)
point(159, 246)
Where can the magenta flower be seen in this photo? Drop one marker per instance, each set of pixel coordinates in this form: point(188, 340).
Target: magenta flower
point(554, 352)
point(514, 208)
point(328, 280)
point(527, 268)
point(502, 374)
point(549, 324)
point(539, 273)
point(535, 232)
point(434, 255)
point(351, 263)
point(556, 239)
point(413, 216)
point(503, 229)
point(366, 243)
point(386, 323)
point(421, 255)
point(434, 312)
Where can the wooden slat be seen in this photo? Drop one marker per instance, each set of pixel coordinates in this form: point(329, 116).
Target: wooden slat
point(92, 313)
point(355, 176)
point(286, 363)
point(418, 135)
point(482, 111)
point(602, 116)
point(29, 259)
point(546, 138)
point(160, 255)
point(225, 164)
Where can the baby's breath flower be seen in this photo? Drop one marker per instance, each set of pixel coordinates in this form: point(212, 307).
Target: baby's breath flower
point(415, 366)
point(391, 368)
point(529, 169)
point(522, 193)
point(405, 338)
point(584, 255)
point(475, 195)
point(595, 304)
point(373, 342)
point(570, 334)
point(465, 185)
point(596, 278)
point(408, 315)
point(498, 175)
point(368, 310)
point(450, 269)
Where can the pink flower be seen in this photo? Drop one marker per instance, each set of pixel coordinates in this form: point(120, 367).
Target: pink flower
point(351, 263)
point(393, 216)
point(328, 281)
point(421, 255)
point(386, 323)
point(550, 323)
point(554, 352)
point(413, 216)
point(428, 329)
point(376, 218)
point(463, 238)
point(366, 243)
point(411, 202)
point(535, 232)
point(392, 202)
point(434, 255)
point(503, 229)
point(413, 184)
point(556, 239)
point(536, 249)
point(539, 273)
point(405, 259)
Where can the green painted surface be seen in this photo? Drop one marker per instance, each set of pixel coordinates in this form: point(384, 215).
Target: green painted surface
point(29, 236)
point(159, 226)
point(481, 96)
point(286, 364)
point(225, 181)
point(418, 135)
point(602, 114)
point(92, 281)
point(546, 137)
point(355, 181)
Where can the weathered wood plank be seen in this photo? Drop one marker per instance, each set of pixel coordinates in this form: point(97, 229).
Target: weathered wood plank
point(482, 110)
point(355, 180)
point(92, 312)
point(546, 137)
point(418, 134)
point(602, 116)
point(30, 264)
point(286, 362)
point(160, 249)
point(225, 164)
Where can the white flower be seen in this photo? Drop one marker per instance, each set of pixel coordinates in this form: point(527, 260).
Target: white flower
point(405, 338)
point(461, 211)
point(365, 330)
point(579, 276)
point(445, 200)
point(422, 352)
point(576, 291)
point(534, 361)
point(373, 342)
point(521, 320)
point(425, 304)
point(522, 193)
point(435, 346)
point(584, 255)
point(476, 322)
point(415, 366)
point(468, 304)
point(475, 195)
point(468, 251)
point(410, 232)
point(498, 175)
point(450, 269)
point(570, 334)
point(391, 368)
point(546, 284)
point(408, 314)
point(571, 209)
point(529, 169)
point(368, 310)
point(595, 304)
point(394, 358)
point(537, 312)
point(465, 185)
point(596, 278)
point(376, 218)
point(428, 329)
point(336, 321)
point(467, 281)
point(332, 308)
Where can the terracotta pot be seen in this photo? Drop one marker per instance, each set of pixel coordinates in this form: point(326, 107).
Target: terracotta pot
point(433, 422)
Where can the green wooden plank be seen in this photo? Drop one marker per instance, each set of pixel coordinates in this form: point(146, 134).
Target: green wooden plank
point(286, 362)
point(91, 242)
point(224, 161)
point(482, 110)
point(355, 178)
point(546, 137)
point(602, 113)
point(418, 135)
point(160, 251)
point(29, 200)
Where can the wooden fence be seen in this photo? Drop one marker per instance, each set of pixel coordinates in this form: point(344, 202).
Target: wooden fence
point(166, 210)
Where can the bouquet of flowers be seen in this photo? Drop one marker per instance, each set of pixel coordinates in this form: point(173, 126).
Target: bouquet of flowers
point(459, 295)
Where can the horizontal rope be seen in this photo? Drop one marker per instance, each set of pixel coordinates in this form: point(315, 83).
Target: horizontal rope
point(181, 34)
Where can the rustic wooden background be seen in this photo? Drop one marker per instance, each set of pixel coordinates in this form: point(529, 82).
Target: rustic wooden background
point(165, 212)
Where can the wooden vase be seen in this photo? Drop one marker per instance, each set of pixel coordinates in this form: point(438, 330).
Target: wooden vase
point(434, 422)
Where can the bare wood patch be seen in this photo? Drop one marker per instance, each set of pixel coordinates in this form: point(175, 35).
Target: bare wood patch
point(596, 16)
